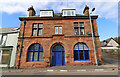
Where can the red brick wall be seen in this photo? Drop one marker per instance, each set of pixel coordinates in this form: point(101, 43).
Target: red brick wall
point(67, 40)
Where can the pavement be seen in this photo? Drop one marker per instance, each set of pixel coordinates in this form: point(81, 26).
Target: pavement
point(110, 66)
point(65, 70)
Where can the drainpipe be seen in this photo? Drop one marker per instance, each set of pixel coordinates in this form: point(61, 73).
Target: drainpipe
point(21, 44)
point(93, 38)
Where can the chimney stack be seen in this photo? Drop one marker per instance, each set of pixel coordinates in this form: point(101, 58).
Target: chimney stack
point(31, 11)
point(86, 10)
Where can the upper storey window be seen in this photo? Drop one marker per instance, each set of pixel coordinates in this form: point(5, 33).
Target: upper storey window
point(68, 12)
point(37, 29)
point(46, 13)
point(58, 30)
point(3, 39)
point(79, 28)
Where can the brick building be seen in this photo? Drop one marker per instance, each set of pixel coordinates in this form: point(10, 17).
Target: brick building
point(51, 39)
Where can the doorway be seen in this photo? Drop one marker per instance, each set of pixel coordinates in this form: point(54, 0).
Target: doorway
point(58, 55)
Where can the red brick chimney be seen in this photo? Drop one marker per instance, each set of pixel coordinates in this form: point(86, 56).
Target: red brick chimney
point(31, 11)
point(86, 10)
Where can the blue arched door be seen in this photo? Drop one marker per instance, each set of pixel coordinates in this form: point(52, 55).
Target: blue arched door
point(58, 55)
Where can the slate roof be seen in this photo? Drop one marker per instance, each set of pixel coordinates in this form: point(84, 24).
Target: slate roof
point(9, 30)
point(58, 15)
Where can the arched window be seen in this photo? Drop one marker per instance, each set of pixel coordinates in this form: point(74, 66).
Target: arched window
point(35, 53)
point(58, 48)
point(81, 52)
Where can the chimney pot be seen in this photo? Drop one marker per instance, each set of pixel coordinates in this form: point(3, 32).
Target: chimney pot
point(31, 11)
point(86, 10)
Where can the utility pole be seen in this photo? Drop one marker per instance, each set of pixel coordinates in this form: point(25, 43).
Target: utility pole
point(93, 37)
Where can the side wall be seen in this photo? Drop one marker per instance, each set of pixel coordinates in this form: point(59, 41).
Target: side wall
point(12, 40)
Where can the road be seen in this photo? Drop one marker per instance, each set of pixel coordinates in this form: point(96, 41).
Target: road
point(114, 72)
point(110, 61)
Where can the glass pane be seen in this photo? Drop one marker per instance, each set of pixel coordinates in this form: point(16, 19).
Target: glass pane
point(75, 55)
point(4, 39)
point(72, 12)
point(76, 31)
point(40, 55)
point(82, 31)
point(5, 56)
point(56, 30)
point(31, 47)
point(60, 30)
point(5, 59)
point(50, 12)
point(86, 55)
point(34, 32)
point(34, 25)
point(80, 46)
point(75, 24)
point(39, 32)
point(85, 47)
point(5, 52)
point(81, 55)
point(68, 13)
point(45, 13)
point(58, 48)
point(40, 48)
point(42, 13)
point(35, 56)
point(30, 56)
point(65, 13)
point(81, 24)
point(36, 46)
point(76, 47)
point(40, 25)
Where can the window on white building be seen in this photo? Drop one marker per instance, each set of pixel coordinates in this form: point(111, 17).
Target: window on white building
point(46, 13)
point(4, 56)
point(3, 39)
point(68, 12)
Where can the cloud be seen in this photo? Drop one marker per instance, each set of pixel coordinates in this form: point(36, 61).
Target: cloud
point(20, 6)
point(104, 9)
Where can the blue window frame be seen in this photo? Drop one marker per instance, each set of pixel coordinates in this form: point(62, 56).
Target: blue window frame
point(35, 53)
point(81, 52)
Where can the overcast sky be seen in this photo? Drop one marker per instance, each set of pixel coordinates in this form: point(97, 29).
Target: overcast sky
point(107, 21)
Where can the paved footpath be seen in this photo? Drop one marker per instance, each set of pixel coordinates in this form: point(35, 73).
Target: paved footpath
point(66, 69)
